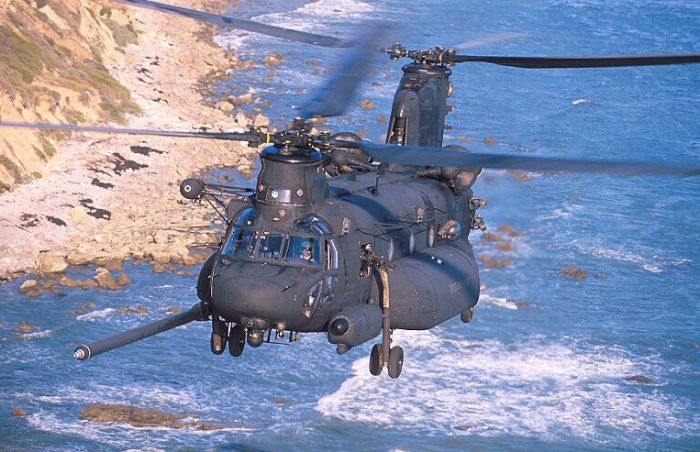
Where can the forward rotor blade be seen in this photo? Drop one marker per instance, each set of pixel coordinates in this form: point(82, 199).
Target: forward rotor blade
point(577, 62)
point(490, 39)
point(333, 96)
point(242, 24)
point(449, 158)
point(234, 136)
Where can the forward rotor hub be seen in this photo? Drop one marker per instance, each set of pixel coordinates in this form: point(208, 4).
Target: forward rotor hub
point(438, 55)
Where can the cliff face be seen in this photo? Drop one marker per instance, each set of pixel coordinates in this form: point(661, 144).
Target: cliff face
point(52, 55)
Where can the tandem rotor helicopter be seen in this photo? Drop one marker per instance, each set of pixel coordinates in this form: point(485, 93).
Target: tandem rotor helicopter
point(347, 237)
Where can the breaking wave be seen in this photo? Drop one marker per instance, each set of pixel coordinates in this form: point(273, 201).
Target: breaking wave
point(530, 389)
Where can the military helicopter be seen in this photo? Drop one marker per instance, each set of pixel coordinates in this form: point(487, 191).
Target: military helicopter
point(348, 237)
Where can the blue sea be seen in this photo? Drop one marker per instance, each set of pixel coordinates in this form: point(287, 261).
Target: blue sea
point(547, 361)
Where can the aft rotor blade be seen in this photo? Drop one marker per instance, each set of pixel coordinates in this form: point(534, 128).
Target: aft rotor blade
point(334, 96)
point(577, 62)
point(450, 158)
point(242, 24)
point(234, 136)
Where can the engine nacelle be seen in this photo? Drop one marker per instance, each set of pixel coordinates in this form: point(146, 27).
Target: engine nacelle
point(355, 325)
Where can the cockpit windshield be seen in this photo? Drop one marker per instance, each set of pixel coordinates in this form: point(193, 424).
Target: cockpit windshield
point(300, 247)
point(270, 246)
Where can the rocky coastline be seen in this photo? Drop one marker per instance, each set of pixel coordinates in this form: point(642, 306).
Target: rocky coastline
point(106, 199)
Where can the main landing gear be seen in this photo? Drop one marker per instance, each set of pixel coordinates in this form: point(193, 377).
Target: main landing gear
point(394, 364)
point(384, 353)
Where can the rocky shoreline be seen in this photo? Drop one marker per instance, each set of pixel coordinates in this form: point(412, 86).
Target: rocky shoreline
point(107, 199)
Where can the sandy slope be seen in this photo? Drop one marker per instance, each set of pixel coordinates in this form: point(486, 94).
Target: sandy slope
point(102, 198)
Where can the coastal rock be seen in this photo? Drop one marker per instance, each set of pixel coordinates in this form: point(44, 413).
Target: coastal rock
point(123, 279)
point(261, 121)
point(505, 246)
point(189, 260)
point(141, 417)
point(237, 101)
point(19, 412)
point(224, 106)
point(25, 327)
point(640, 379)
point(367, 105)
point(88, 284)
point(161, 258)
point(508, 230)
point(77, 258)
point(520, 175)
point(272, 60)
point(491, 262)
point(67, 281)
point(47, 263)
point(574, 273)
point(241, 119)
point(105, 279)
point(29, 286)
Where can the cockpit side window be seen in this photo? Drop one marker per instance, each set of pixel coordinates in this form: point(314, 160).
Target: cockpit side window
point(331, 255)
point(303, 250)
point(241, 243)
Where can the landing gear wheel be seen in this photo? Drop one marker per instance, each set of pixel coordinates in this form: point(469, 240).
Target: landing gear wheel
point(375, 360)
point(466, 315)
point(218, 337)
point(395, 363)
point(236, 341)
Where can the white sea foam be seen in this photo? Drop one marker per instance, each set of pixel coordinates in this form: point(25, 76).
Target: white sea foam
point(100, 313)
point(37, 335)
point(565, 212)
point(652, 264)
point(528, 389)
point(581, 101)
point(121, 435)
point(315, 17)
point(500, 302)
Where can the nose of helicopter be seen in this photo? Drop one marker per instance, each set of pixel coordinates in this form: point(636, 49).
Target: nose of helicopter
point(257, 290)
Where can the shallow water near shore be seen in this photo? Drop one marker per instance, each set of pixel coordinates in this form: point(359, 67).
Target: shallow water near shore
point(548, 362)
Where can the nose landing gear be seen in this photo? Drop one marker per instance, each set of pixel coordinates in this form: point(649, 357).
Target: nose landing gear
point(219, 332)
point(236, 341)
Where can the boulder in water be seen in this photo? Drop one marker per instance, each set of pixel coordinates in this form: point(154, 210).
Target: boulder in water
point(30, 288)
point(574, 273)
point(141, 417)
point(639, 378)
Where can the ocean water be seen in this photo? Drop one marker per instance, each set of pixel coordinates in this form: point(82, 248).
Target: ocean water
point(546, 361)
